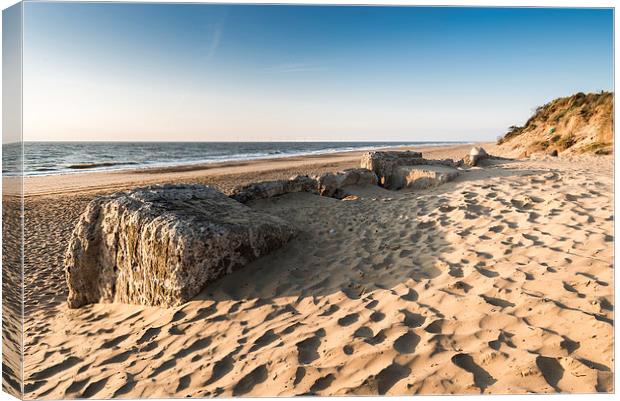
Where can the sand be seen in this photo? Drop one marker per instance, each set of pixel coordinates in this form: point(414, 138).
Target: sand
point(498, 282)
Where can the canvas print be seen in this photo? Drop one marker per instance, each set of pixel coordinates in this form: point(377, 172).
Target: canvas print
point(241, 200)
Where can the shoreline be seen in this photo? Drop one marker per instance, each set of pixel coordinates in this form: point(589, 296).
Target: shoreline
point(112, 167)
point(102, 181)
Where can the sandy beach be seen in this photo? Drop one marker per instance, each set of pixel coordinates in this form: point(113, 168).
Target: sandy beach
point(500, 281)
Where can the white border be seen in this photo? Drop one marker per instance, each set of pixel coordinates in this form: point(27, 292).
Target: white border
point(476, 3)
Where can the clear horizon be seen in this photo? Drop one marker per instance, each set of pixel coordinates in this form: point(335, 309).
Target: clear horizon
point(223, 141)
point(200, 73)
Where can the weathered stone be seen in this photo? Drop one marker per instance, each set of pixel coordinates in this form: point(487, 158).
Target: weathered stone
point(332, 184)
point(423, 176)
point(269, 189)
point(160, 245)
point(443, 162)
point(476, 154)
point(478, 151)
point(384, 163)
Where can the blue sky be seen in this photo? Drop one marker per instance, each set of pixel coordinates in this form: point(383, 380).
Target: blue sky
point(223, 72)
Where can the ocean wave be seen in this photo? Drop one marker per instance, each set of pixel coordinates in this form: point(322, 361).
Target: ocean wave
point(84, 166)
point(57, 158)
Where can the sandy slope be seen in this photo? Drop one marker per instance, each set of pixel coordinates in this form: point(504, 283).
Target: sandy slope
point(500, 282)
point(581, 123)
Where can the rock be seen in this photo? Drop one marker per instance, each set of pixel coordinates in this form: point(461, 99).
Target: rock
point(554, 153)
point(444, 162)
point(476, 154)
point(332, 184)
point(269, 189)
point(327, 184)
point(478, 151)
point(423, 176)
point(161, 244)
point(384, 163)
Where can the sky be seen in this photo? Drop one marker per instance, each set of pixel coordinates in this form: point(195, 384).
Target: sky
point(195, 72)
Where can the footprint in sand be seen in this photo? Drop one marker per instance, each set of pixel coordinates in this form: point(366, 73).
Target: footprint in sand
point(184, 382)
point(407, 343)
point(410, 296)
point(307, 349)
point(504, 337)
point(179, 315)
point(456, 271)
point(332, 309)
point(551, 370)
point(122, 357)
point(482, 378)
point(363, 332)
point(485, 272)
point(94, 388)
point(203, 313)
point(502, 303)
point(196, 346)
point(149, 334)
point(166, 365)
point(412, 320)
point(300, 373)
point(372, 304)
point(247, 383)
point(222, 367)
point(115, 341)
point(30, 387)
point(435, 326)
point(388, 377)
point(572, 289)
point(267, 338)
point(569, 345)
point(496, 229)
point(377, 316)
point(55, 369)
point(71, 390)
point(322, 383)
point(348, 319)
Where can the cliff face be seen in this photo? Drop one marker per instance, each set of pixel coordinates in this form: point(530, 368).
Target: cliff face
point(582, 123)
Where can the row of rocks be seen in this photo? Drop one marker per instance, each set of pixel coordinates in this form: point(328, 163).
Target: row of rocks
point(328, 184)
point(161, 244)
point(422, 176)
point(269, 189)
point(396, 170)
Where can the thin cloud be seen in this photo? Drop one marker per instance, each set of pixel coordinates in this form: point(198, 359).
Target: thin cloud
point(216, 32)
point(215, 39)
point(296, 67)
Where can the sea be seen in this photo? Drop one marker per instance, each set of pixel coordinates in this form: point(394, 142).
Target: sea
point(53, 158)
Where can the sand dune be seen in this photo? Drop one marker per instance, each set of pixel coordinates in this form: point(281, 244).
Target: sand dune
point(498, 282)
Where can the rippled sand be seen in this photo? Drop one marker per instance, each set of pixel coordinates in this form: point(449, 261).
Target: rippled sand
point(499, 282)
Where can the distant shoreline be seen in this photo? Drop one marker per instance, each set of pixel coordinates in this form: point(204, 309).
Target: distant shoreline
point(234, 172)
point(182, 155)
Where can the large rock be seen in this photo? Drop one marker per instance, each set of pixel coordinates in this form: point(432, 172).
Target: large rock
point(476, 154)
point(327, 184)
point(160, 245)
point(423, 176)
point(386, 163)
point(269, 189)
point(333, 184)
